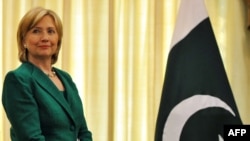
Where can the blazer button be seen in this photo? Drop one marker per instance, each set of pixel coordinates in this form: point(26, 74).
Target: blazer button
point(72, 127)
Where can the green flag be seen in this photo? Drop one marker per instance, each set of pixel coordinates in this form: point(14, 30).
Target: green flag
point(197, 100)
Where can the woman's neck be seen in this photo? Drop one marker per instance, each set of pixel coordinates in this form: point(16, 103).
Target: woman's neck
point(44, 65)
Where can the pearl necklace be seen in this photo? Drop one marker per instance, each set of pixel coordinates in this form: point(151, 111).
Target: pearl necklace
point(52, 75)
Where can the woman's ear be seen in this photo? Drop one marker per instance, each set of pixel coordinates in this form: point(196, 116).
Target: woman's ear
point(24, 44)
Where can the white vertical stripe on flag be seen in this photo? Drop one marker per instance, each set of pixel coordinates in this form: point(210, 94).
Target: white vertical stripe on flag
point(191, 13)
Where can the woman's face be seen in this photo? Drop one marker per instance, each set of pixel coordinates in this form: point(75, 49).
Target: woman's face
point(41, 41)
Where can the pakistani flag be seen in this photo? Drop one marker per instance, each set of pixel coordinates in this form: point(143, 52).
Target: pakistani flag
point(197, 100)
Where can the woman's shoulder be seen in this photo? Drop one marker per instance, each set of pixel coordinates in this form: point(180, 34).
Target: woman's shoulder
point(63, 72)
point(21, 73)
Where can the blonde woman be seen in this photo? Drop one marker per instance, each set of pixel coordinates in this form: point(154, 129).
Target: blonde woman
point(41, 101)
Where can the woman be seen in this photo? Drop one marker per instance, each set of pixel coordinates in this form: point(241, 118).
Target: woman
point(41, 101)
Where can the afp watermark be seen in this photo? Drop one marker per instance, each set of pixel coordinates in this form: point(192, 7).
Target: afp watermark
point(236, 132)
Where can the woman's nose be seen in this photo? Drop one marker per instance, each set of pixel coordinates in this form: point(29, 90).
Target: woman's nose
point(45, 37)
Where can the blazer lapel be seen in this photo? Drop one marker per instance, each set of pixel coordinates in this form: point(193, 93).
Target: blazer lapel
point(50, 87)
point(68, 88)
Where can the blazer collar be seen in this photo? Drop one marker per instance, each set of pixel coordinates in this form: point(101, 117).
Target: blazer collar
point(44, 81)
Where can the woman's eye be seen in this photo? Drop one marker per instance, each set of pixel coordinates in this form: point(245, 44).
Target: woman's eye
point(36, 31)
point(51, 31)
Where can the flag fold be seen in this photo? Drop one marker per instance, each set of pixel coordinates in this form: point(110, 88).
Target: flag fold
point(197, 100)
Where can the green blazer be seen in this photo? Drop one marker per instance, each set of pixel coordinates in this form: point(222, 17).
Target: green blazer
point(38, 111)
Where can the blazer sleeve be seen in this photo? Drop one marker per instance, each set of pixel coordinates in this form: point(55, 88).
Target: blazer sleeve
point(21, 108)
point(84, 133)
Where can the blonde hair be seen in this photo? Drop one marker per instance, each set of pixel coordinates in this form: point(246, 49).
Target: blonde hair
point(29, 20)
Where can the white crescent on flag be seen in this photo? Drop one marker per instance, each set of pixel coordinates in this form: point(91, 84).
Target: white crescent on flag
point(174, 124)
